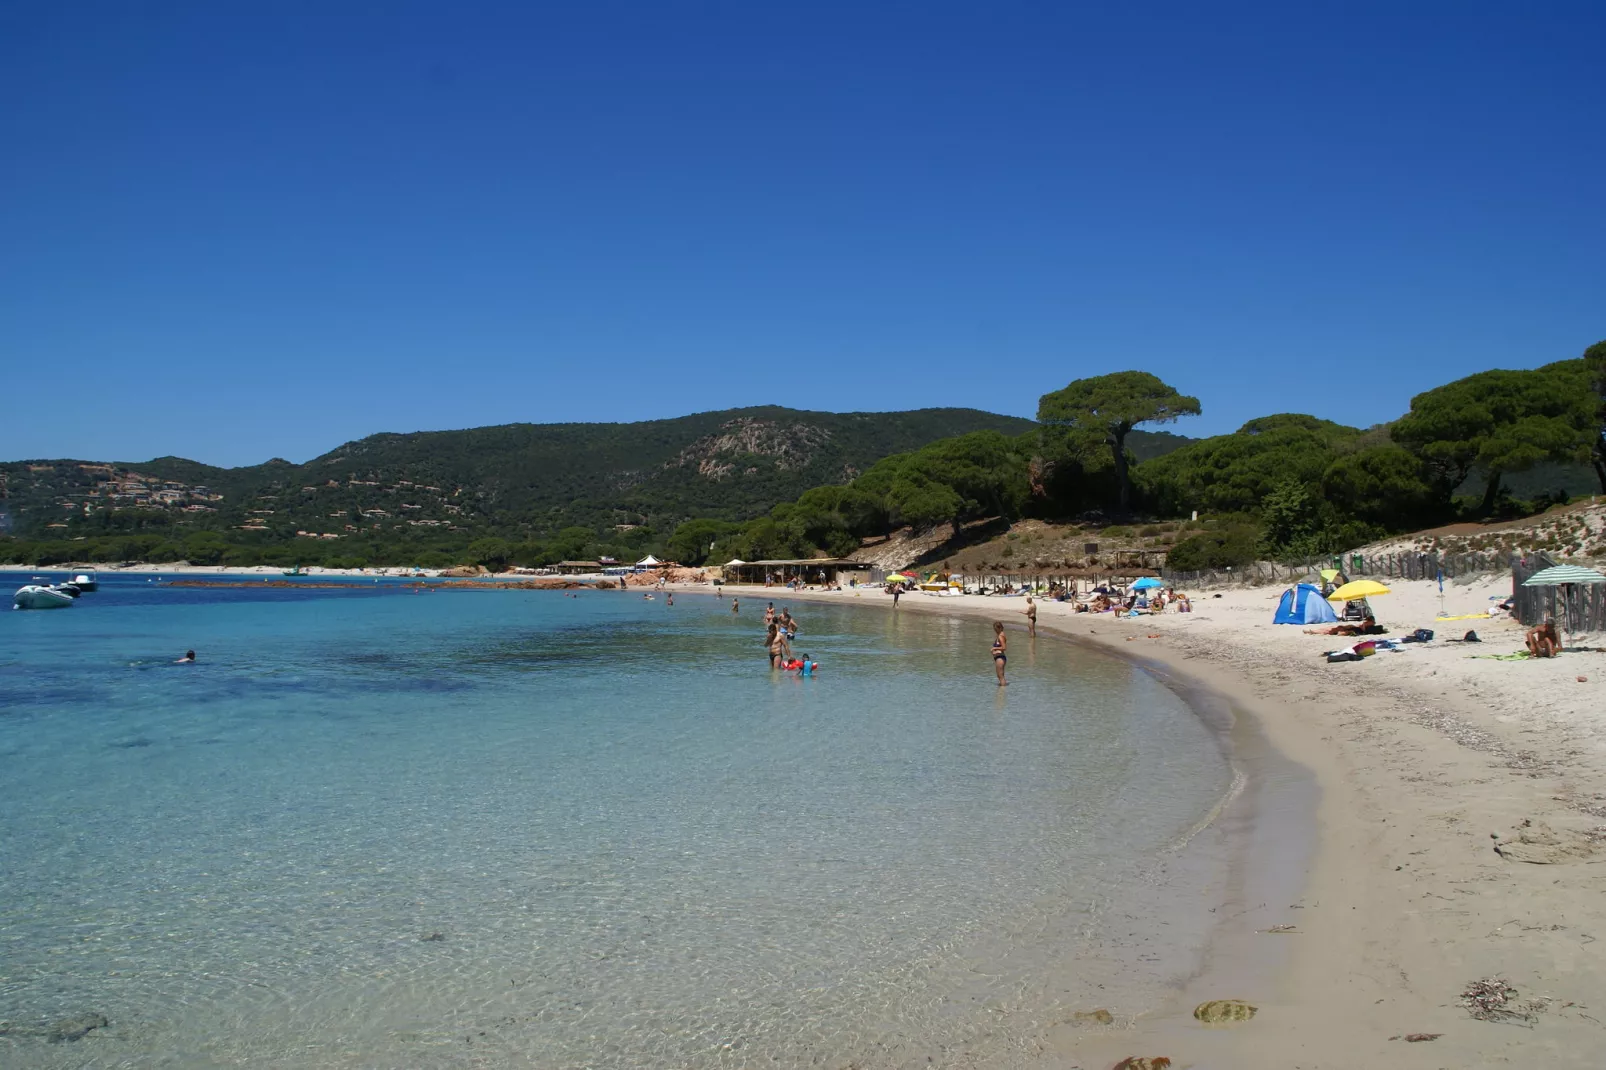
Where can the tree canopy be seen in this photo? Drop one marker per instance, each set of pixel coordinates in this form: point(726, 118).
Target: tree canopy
point(1497, 422)
point(1595, 375)
point(1104, 410)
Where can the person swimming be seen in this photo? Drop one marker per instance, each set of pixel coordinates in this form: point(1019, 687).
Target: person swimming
point(187, 659)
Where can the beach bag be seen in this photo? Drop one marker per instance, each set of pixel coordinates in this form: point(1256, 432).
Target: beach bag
point(1421, 635)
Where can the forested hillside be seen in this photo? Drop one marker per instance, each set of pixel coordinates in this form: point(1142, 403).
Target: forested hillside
point(771, 482)
point(438, 490)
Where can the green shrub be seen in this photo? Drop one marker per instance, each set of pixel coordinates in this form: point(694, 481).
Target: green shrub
point(1223, 547)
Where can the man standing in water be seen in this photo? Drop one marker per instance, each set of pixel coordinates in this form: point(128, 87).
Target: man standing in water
point(1031, 617)
point(735, 606)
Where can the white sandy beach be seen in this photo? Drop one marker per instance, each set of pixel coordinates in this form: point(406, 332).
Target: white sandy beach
point(1424, 759)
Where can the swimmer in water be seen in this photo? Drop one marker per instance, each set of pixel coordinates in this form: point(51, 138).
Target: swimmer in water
point(187, 659)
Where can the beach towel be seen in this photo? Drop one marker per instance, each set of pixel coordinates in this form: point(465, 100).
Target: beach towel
point(1463, 616)
point(1521, 655)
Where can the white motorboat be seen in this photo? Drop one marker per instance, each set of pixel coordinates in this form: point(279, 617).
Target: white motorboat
point(86, 581)
point(33, 596)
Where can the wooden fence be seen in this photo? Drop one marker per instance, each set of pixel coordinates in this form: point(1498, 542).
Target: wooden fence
point(1406, 566)
point(1576, 607)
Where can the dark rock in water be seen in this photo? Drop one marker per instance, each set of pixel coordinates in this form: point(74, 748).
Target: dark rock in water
point(1224, 1011)
point(76, 1027)
point(433, 938)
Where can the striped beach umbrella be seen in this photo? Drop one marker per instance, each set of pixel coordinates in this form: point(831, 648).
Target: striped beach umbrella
point(1556, 575)
point(1563, 576)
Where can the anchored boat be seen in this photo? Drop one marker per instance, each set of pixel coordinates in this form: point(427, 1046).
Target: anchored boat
point(34, 596)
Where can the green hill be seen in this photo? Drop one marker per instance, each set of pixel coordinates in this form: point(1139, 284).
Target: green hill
point(530, 479)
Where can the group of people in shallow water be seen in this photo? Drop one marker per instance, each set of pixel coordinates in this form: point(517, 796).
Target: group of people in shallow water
point(781, 628)
point(779, 631)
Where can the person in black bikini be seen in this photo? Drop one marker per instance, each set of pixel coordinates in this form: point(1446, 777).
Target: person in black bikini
point(1000, 652)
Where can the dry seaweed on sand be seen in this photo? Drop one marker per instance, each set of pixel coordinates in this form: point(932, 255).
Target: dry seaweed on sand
point(1493, 999)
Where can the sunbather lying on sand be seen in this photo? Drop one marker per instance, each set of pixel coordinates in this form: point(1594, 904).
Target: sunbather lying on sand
point(1543, 642)
point(1367, 627)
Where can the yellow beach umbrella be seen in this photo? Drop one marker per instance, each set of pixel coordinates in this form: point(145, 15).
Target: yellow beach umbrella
point(1355, 590)
point(1329, 573)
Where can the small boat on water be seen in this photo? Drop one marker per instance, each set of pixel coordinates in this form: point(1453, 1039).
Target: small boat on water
point(34, 596)
point(86, 581)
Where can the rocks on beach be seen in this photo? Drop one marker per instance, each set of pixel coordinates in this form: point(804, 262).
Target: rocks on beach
point(1224, 1012)
point(1538, 843)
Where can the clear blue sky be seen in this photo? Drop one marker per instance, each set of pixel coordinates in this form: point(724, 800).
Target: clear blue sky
point(232, 231)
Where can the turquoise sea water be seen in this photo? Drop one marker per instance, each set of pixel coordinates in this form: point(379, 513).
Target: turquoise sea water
point(507, 828)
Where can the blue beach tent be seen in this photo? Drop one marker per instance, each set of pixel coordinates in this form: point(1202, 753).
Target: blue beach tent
point(1304, 604)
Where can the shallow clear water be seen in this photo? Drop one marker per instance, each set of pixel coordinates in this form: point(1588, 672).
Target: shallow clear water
point(636, 845)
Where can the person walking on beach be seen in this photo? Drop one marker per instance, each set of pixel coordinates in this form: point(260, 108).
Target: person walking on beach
point(1031, 617)
point(1000, 652)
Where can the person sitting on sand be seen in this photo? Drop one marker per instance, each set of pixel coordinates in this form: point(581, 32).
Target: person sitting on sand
point(1543, 642)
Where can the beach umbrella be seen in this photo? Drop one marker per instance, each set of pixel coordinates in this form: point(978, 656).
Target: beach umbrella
point(1563, 576)
point(1356, 590)
point(1329, 573)
point(735, 561)
point(1147, 582)
point(1556, 575)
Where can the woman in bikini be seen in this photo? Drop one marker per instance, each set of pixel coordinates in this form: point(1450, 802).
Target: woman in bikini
point(1000, 652)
